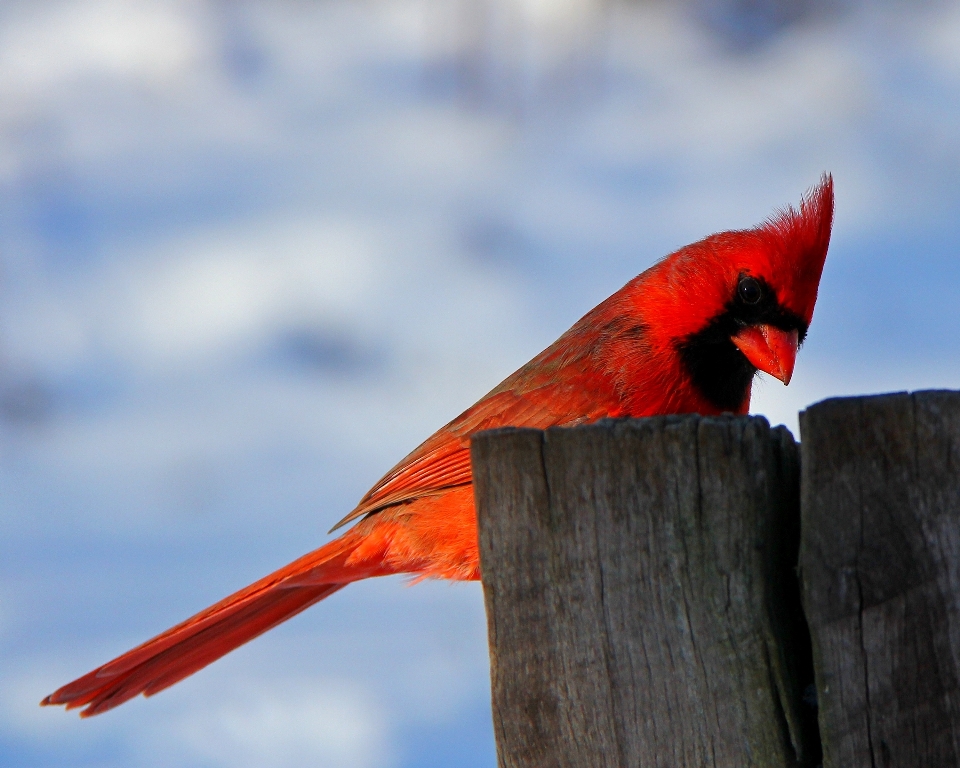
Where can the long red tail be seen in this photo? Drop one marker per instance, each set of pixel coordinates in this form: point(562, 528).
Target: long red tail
point(434, 536)
point(191, 645)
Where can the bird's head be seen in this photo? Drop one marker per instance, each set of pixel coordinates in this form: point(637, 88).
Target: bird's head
point(738, 302)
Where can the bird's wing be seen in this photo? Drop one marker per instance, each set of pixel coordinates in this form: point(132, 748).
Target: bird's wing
point(443, 461)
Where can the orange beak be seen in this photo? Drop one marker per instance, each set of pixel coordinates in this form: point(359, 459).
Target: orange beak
point(769, 349)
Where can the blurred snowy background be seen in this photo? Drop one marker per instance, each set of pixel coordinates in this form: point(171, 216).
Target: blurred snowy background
point(253, 253)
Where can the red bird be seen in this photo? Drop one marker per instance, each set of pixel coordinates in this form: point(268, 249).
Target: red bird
point(686, 336)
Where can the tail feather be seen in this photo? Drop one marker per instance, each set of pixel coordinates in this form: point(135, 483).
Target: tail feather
point(246, 628)
point(196, 652)
point(191, 645)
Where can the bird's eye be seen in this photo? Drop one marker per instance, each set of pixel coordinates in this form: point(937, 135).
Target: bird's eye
point(749, 290)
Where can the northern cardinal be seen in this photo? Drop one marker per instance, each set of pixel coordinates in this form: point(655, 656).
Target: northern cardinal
point(686, 336)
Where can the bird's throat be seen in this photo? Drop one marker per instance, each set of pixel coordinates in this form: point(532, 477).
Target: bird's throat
point(719, 370)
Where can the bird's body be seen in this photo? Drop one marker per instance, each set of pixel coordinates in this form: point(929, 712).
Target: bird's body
point(686, 336)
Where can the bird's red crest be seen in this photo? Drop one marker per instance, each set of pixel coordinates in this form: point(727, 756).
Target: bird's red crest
point(796, 242)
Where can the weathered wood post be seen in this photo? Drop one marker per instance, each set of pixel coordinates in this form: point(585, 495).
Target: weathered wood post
point(881, 572)
point(642, 602)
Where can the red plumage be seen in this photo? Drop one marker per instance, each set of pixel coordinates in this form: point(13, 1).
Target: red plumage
point(686, 336)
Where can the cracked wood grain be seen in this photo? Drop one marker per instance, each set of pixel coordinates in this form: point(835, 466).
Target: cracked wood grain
point(880, 557)
point(641, 597)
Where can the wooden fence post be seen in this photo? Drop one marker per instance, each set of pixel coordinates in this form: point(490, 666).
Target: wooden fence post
point(881, 571)
point(642, 603)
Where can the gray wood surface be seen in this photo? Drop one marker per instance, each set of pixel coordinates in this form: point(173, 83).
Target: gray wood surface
point(880, 557)
point(641, 596)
